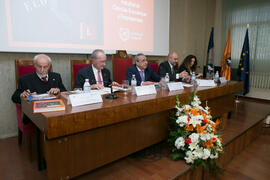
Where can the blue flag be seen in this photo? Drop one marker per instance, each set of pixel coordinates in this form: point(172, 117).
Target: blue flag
point(243, 68)
point(210, 53)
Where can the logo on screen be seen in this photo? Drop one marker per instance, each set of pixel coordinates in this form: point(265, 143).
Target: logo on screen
point(124, 34)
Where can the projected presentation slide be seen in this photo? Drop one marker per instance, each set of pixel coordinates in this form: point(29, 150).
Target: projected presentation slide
point(79, 24)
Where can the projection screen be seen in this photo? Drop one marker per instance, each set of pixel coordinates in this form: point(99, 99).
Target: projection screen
point(80, 26)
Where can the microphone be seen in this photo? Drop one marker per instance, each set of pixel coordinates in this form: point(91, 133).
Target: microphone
point(111, 95)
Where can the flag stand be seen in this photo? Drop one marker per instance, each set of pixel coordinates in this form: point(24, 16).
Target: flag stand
point(237, 99)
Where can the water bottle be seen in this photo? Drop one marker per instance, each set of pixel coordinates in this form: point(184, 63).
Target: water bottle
point(86, 86)
point(133, 80)
point(133, 83)
point(216, 78)
point(167, 78)
point(193, 78)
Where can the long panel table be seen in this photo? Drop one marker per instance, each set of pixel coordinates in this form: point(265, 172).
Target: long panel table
point(83, 138)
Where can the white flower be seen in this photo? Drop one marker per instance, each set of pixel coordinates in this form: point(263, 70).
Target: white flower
point(205, 136)
point(209, 128)
point(213, 136)
point(182, 119)
point(195, 104)
point(196, 99)
point(193, 146)
point(206, 154)
point(209, 117)
point(214, 156)
point(203, 110)
point(179, 142)
point(189, 157)
point(198, 117)
point(219, 142)
point(194, 137)
point(198, 153)
point(187, 107)
point(196, 120)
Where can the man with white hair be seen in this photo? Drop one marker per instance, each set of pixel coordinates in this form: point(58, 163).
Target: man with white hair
point(97, 73)
point(39, 82)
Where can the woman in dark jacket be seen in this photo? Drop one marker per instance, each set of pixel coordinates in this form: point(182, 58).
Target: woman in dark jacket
point(189, 65)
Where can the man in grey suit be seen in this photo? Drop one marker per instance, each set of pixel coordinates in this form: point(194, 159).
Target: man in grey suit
point(99, 76)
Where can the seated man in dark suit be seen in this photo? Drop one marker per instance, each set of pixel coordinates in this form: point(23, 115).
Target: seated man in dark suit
point(144, 74)
point(38, 82)
point(171, 68)
point(99, 76)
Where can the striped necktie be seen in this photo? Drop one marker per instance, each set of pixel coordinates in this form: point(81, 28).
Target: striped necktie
point(44, 79)
point(142, 75)
point(99, 78)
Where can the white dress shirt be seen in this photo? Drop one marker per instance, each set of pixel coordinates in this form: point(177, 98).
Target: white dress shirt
point(96, 74)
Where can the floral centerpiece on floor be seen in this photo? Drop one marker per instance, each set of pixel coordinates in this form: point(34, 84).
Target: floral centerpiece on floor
point(193, 135)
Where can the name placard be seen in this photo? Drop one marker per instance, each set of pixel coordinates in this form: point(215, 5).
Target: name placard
point(177, 76)
point(222, 80)
point(85, 98)
point(203, 82)
point(145, 90)
point(173, 86)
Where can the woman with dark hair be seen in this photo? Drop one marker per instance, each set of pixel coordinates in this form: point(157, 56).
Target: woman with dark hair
point(189, 65)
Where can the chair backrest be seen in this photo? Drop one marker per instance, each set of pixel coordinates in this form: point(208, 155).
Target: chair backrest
point(121, 61)
point(75, 66)
point(154, 65)
point(23, 67)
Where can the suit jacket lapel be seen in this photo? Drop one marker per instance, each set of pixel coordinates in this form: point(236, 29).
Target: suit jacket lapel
point(169, 67)
point(104, 76)
point(147, 74)
point(92, 78)
point(137, 73)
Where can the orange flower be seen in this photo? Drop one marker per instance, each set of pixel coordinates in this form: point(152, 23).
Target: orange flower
point(217, 122)
point(186, 109)
point(214, 130)
point(219, 149)
point(220, 139)
point(200, 129)
point(194, 112)
point(189, 127)
point(208, 144)
point(204, 116)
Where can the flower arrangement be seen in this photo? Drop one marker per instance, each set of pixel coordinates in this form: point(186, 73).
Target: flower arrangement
point(193, 135)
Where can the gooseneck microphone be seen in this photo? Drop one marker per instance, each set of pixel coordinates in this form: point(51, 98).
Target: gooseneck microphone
point(111, 95)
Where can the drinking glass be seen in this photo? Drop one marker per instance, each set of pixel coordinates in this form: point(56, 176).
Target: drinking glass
point(125, 85)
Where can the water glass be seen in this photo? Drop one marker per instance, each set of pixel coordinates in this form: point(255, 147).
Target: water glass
point(125, 85)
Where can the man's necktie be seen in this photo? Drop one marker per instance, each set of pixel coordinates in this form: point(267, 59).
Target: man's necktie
point(173, 72)
point(142, 75)
point(99, 78)
point(44, 79)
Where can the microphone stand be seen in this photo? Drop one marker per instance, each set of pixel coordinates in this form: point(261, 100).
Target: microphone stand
point(111, 95)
